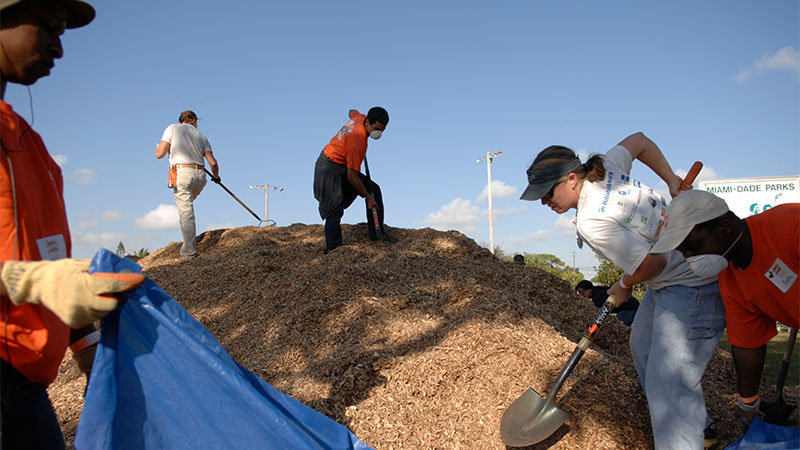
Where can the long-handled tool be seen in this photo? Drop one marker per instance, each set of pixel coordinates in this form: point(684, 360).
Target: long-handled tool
point(235, 197)
point(778, 412)
point(374, 209)
point(531, 418)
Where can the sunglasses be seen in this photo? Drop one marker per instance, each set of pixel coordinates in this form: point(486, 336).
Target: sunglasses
point(550, 192)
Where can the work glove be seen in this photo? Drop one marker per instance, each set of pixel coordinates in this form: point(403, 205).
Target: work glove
point(217, 180)
point(65, 288)
point(745, 413)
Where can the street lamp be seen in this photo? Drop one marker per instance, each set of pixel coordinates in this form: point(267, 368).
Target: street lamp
point(266, 189)
point(489, 157)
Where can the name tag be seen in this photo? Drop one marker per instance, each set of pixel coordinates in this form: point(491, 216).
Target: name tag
point(781, 276)
point(52, 248)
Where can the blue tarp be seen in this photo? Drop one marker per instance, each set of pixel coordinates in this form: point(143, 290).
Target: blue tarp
point(162, 381)
point(763, 436)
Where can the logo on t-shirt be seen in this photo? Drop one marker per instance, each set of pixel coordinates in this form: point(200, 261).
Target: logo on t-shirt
point(347, 129)
point(781, 276)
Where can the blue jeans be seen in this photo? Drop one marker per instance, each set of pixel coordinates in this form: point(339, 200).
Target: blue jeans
point(673, 336)
point(27, 417)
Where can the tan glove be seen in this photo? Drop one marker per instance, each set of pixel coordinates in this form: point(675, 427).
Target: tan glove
point(66, 289)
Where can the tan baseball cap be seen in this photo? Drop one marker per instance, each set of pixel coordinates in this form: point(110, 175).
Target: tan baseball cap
point(79, 12)
point(685, 211)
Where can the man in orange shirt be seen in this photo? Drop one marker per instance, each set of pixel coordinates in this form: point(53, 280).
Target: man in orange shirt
point(43, 293)
point(338, 178)
point(757, 260)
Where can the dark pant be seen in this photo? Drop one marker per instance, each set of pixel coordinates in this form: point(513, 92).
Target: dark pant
point(335, 194)
point(27, 416)
point(333, 229)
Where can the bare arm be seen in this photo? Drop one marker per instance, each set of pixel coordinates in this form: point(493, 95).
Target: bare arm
point(352, 177)
point(749, 363)
point(649, 268)
point(162, 149)
point(213, 163)
point(646, 151)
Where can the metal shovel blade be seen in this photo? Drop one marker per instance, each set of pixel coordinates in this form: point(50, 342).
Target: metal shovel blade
point(530, 419)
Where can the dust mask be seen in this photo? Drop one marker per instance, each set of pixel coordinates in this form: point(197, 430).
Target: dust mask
point(710, 265)
point(376, 134)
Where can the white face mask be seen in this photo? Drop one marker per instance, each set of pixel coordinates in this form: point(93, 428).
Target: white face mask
point(376, 134)
point(710, 265)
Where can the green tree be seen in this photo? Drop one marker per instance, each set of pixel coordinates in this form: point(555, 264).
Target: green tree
point(608, 274)
point(554, 265)
point(121, 250)
point(141, 253)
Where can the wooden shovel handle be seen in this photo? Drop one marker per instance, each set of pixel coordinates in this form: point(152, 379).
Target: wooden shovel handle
point(687, 182)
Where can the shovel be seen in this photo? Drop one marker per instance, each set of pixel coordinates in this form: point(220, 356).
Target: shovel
point(531, 418)
point(778, 412)
point(374, 209)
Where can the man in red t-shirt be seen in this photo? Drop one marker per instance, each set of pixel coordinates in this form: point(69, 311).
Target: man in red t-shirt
point(758, 263)
point(47, 300)
point(338, 179)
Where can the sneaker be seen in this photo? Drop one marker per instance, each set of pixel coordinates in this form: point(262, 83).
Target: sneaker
point(710, 435)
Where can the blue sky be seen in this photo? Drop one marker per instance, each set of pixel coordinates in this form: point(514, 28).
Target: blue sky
point(272, 82)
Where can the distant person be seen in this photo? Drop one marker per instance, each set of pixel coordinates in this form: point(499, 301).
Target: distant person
point(757, 260)
point(681, 317)
point(338, 180)
point(47, 300)
point(599, 294)
point(186, 147)
point(519, 259)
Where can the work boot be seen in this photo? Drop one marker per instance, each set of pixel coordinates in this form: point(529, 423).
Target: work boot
point(329, 249)
point(710, 435)
point(386, 238)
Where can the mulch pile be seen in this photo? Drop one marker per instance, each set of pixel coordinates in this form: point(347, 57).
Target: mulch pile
point(419, 345)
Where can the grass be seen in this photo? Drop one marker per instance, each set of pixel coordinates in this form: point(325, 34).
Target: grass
point(772, 365)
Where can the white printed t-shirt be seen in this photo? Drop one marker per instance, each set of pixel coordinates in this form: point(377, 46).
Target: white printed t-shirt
point(187, 145)
point(620, 219)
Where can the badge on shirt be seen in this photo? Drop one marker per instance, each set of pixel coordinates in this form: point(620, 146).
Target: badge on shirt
point(781, 276)
point(52, 248)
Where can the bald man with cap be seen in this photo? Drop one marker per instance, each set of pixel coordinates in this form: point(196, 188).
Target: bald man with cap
point(757, 262)
point(48, 301)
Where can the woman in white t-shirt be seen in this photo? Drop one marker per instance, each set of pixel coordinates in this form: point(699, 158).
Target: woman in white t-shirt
point(681, 318)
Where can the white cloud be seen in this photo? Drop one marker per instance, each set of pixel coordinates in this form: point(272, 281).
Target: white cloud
point(787, 58)
point(164, 217)
point(706, 174)
point(564, 226)
point(583, 155)
point(112, 215)
point(61, 160)
point(540, 235)
point(459, 214)
point(83, 176)
point(499, 190)
point(220, 226)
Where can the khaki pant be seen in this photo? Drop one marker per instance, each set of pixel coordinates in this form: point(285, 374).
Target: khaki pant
point(189, 185)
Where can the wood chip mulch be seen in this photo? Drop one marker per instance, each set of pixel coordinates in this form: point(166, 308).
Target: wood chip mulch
point(421, 344)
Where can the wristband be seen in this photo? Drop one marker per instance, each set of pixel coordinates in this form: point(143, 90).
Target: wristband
point(622, 285)
point(86, 341)
point(750, 406)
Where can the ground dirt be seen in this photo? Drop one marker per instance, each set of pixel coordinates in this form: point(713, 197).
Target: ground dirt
point(421, 344)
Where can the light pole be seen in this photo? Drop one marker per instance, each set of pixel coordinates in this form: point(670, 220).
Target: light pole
point(489, 157)
point(266, 188)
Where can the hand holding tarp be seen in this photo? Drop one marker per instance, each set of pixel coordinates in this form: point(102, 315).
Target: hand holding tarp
point(66, 289)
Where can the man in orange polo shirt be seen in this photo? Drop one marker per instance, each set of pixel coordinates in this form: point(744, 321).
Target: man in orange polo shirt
point(757, 260)
point(338, 179)
point(43, 293)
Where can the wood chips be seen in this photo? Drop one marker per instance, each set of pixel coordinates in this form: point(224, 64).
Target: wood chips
point(421, 344)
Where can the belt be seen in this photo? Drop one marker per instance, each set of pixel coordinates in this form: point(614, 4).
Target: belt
point(191, 166)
